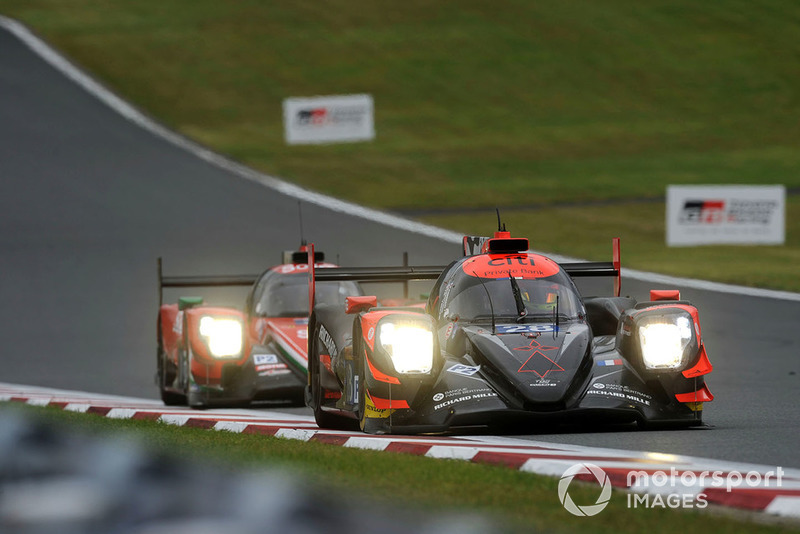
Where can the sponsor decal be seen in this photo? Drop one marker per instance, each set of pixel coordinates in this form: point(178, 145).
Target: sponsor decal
point(302, 333)
point(528, 266)
point(465, 370)
point(268, 366)
point(327, 341)
point(600, 477)
point(609, 363)
point(303, 321)
point(464, 395)
point(449, 331)
point(438, 397)
point(544, 383)
point(371, 333)
point(620, 392)
point(524, 328)
point(328, 119)
point(375, 413)
point(274, 372)
point(261, 359)
point(538, 362)
point(704, 215)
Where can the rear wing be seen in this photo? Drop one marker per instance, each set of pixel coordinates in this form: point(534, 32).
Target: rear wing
point(201, 281)
point(368, 274)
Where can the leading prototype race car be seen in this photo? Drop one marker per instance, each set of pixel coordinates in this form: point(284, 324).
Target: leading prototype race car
point(504, 339)
point(211, 355)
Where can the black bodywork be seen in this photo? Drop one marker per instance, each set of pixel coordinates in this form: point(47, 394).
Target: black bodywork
point(578, 360)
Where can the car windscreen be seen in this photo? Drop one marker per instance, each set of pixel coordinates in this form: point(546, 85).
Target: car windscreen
point(477, 299)
point(287, 296)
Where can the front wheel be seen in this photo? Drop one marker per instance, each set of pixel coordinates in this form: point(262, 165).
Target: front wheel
point(315, 369)
point(169, 398)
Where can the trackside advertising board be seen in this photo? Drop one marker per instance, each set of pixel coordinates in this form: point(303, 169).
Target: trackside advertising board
point(328, 119)
point(726, 215)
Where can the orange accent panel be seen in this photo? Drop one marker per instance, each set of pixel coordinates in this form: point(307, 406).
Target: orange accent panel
point(381, 376)
point(665, 294)
point(701, 395)
point(357, 304)
point(386, 404)
point(702, 367)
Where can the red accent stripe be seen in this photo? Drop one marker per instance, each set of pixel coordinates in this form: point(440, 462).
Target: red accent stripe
point(701, 395)
point(146, 416)
point(381, 376)
point(331, 439)
point(702, 367)
point(386, 404)
point(408, 447)
point(196, 422)
point(507, 459)
point(261, 429)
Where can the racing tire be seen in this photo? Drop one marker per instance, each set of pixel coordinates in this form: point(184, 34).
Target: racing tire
point(169, 398)
point(324, 419)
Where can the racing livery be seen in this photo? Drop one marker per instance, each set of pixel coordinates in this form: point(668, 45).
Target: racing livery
point(212, 355)
point(504, 339)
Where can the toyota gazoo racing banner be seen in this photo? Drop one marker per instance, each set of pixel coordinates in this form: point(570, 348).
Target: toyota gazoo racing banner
point(711, 215)
point(328, 119)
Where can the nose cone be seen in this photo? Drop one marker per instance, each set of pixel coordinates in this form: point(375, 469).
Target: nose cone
point(541, 367)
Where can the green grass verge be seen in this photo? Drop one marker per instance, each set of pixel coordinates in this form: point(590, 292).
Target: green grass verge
point(522, 502)
point(478, 104)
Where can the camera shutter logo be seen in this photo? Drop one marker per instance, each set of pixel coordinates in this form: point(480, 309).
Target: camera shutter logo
point(602, 500)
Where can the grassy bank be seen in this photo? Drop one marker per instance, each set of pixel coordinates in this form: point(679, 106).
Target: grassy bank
point(477, 104)
point(522, 502)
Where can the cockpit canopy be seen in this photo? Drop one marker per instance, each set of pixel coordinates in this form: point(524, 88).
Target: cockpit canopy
point(286, 295)
point(525, 290)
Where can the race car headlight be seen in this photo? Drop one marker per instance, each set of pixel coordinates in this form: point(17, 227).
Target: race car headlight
point(410, 346)
point(664, 341)
point(223, 336)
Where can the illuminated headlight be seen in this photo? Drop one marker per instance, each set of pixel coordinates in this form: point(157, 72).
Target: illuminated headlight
point(664, 342)
point(410, 346)
point(223, 336)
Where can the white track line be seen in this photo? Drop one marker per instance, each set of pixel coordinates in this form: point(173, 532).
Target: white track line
point(125, 109)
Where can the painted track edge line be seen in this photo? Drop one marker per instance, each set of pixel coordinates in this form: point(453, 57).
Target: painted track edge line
point(128, 111)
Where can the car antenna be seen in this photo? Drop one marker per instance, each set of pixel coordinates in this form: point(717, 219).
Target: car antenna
point(501, 227)
point(555, 310)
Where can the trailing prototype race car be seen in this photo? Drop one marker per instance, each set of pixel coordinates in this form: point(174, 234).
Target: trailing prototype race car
point(504, 339)
point(212, 355)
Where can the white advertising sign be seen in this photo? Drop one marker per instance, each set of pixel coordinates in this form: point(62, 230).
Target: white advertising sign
point(328, 119)
point(726, 215)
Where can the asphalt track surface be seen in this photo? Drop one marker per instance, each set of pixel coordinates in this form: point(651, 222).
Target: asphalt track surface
point(89, 200)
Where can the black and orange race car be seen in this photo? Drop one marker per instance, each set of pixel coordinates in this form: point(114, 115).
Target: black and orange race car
point(505, 339)
point(215, 356)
